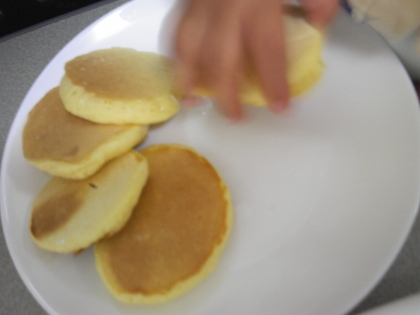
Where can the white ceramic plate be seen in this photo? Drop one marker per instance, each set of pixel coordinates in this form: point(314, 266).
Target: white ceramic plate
point(323, 198)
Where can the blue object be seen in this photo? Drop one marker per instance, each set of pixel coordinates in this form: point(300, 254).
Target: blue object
point(346, 5)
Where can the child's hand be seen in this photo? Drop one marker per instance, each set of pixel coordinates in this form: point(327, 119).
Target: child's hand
point(215, 36)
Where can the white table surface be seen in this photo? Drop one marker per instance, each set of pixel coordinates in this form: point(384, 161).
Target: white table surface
point(23, 57)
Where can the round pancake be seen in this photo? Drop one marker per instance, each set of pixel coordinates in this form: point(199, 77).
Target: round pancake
point(304, 64)
point(65, 145)
point(119, 86)
point(70, 215)
point(176, 233)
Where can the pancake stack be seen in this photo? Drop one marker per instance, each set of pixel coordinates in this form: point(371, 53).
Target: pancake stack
point(94, 188)
point(160, 218)
point(102, 109)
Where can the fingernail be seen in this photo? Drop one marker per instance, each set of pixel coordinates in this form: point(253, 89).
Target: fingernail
point(279, 107)
point(236, 118)
point(233, 120)
point(189, 101)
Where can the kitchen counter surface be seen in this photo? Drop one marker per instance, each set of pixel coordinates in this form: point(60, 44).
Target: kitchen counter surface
point(23, 57)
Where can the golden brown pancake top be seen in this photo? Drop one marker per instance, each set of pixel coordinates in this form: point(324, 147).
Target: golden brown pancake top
point(121, 73)
point(52, 133)
point(179, 219)
point(53, 213)
point(62, 198)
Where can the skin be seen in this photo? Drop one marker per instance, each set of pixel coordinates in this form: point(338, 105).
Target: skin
point(216, 36)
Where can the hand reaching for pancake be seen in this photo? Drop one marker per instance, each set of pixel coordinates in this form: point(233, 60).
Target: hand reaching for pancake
point(218, 37)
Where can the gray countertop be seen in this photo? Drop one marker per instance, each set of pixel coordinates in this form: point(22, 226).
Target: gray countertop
point(23, 57)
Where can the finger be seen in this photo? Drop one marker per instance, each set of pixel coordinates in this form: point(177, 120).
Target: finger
point(188, 41)
point(185, 76)
point(220, 63)
point(266, 47)
point(320, 12)
point(227, 94)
